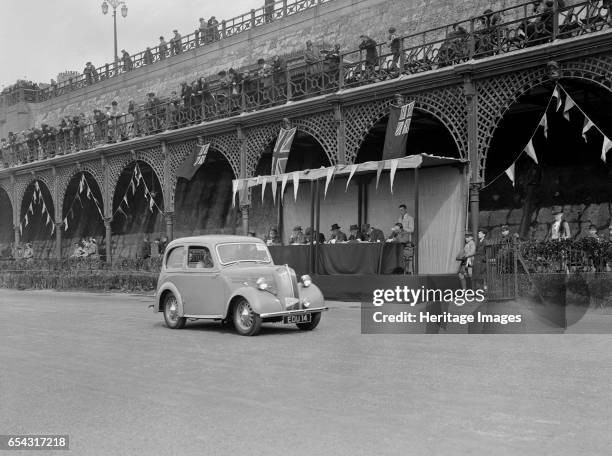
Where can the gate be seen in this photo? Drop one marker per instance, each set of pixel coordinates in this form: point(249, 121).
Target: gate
point(502, 270)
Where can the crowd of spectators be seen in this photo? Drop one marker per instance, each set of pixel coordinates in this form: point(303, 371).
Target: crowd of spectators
point(267, 83)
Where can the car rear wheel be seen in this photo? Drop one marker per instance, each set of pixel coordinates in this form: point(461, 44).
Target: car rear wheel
point(171, 313)
point(246, 321)
point(316, 318)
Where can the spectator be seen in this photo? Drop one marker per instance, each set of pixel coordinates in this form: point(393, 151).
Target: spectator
point(297, 237)
point(337, 235)
point(560, 229)
point(318, 237)
point(479, 270)
point(278, 69)
point(373, 234)
point(28, 252)
point(78, 251)
point(467, 261)
point(356, 235)
point(203, 30)
point(272, 238)
point(312, 59)
point(399, 235)
point(269, 10)
point(137, 126)
point(176, 43)
point(406, 220)
point(371, 58)
point(332, 60)
point(92, 249)
point(213, 30)
point(394, 44)
point(505, 235)
point(91, 74)
point(593, 233)
point(162, 48)
point(128, 65)
point(161, 246)
point(147, 58)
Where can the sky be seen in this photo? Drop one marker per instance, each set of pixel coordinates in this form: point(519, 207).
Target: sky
point(42, 38)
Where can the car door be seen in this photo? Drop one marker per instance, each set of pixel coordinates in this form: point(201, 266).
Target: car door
point(204, 288)
point(174, 267)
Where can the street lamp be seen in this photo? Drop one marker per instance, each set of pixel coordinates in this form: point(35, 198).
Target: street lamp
point(124, 11)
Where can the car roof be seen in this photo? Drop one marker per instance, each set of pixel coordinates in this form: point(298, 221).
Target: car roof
point(213, 239)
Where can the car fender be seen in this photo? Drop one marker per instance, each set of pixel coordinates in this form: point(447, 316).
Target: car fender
point(171, 287)
point(260, 301)
point(313, 294)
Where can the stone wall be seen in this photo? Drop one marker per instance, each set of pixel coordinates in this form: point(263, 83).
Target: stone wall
point(339, 21)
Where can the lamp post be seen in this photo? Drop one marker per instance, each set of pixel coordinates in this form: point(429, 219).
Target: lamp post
point(124, 11)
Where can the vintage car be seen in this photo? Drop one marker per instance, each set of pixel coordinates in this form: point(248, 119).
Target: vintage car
point(233, 279)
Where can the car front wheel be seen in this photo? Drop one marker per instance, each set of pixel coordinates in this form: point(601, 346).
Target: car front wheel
point(316, 318)
point(171, 313)
point(246, 321)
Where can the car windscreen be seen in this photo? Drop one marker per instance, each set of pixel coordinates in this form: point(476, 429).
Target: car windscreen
point(243, 251)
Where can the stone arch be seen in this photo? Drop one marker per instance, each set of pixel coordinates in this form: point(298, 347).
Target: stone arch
point(320, 127)
point(23, 182)
point(226, 144)
point(117, 163)
point(447, 105)
point(7, 221)
point(9, 192)
point(48, 198)
point(497, 95)
point(67, 174)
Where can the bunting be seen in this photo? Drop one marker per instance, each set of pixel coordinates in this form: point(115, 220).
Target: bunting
point(296, 184)
point(394, 164)
point(529, 150)
point(556, 95)
point(283, 184)
point(607, 145)
point(569, 104)
point(273, 184)
point(544, 124)
point(587, 126)
point(234, 191)
point(264, 181)
point(328, 178)
point(380, 166)
point(510, 173)
point(353, 169)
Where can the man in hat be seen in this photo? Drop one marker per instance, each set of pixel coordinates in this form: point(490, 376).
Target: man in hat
point(406, 220)
point(203, 29)
point(128, 65)
point(479, 270)
point(356, 235)
point(92, 248)
point(505, 236)
point(28, 253)
point(297, 237)
point(176, 43)
point(273, 238)
point(560, 229)
point(147, 58)
point(91, 75)
point(318, 237)
point(371, 54)
point(337, 235)
point(467, 261)
point(213, 29)
point(373, 234)
point(393, 41)
point(162, 48)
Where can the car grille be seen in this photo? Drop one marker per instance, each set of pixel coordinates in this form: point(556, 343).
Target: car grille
point(287, 282)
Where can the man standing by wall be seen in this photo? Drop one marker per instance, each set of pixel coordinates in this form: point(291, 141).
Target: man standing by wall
point(406, 220)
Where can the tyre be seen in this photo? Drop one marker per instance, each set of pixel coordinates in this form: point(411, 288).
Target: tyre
point(246, 321)
point(171, 316)
point(316, 318)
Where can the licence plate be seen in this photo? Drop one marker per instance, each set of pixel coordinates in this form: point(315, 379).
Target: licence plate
point(304, 318)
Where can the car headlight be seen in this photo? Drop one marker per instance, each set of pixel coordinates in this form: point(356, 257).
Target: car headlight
point(306, 303)
point(262, 284)
point(306, 280)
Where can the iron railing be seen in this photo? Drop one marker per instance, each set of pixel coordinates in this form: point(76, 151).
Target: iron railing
point(499, 32)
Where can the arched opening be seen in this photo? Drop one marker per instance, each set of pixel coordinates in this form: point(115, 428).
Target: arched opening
point(7, 235)
point(137, 210)
point(83, 209)
point(37, 219)
point(426, 135)
point(570, 173)
point(306, 153)
point(203, 205)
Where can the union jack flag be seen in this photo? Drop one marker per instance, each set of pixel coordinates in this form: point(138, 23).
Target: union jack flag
point(282, 149)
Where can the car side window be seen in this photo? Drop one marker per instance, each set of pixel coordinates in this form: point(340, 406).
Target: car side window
point(175, 258)
point(199, 258)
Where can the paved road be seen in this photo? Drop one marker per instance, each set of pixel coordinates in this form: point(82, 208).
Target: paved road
point(103, 368)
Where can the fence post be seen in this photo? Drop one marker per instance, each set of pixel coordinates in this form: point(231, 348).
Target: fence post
point(515, 267)
point(223, 29)
point(284, 8)
point(341, 72)
point(471, 41)
point(252, 18)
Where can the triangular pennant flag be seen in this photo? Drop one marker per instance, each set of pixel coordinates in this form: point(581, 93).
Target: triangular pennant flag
point(296, 184)
point(394, 164)
point(151, 203)
point(66, 224)
point(48, 219)
point(531, 152)
point(353, 169)
point(88, 192)
point(510, 173)
point(380, 166)
point(20, 229)
point(284, 179)
point(26, 220)
point(273, 187)
point(607, 145)
point(81, 183)
point(264, 181)
point(52, 228)
point(125, 200)
point(44, 208)
point(328, 178)
point(234, 191)
point(544, 123)
point(133, 186)
point(80, 201)
point(557, 95)
point(36, 186)
point(30, 209)
point(121, 211)
point(569, 104)
point(35, 196)
point(587, 126)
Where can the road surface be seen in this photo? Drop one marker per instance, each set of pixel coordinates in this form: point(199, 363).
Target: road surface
point(105, 370)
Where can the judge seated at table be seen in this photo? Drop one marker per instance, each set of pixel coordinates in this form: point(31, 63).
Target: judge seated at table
point(337, 235)
point(356, 235)
point(273, 238)
point(373, 234)
point(398, 234)
point(297, 237)
point(318, 238)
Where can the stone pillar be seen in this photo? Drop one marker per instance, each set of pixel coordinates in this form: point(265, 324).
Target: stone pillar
point(244, 210)
point(17, 235)
point(169, 225)
point(244, 195)
point(474, 208)
point(471, 98)
point(58, 240)
point(107, 228)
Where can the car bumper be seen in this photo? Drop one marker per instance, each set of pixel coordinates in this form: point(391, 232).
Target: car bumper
point(293, 312)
